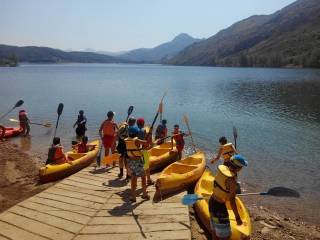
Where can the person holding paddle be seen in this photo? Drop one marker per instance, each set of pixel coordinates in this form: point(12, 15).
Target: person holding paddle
point(224, 189)
point(161, 132)
point(178, 135)
point(108, 132)
point(24, 122)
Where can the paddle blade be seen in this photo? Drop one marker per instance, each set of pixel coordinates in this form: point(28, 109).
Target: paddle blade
point(283, 192)
point(160, 107)
point(186, 120)
point(130, 110)
point(47, 125)
point(60, 109)
point(19, 103)
point(235, 132)
point(190, 199)
point(13, 120)
point(111, 158)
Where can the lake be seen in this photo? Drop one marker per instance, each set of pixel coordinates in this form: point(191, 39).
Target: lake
point(276, 112)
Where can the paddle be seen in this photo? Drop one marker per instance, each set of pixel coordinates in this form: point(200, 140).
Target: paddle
point(161, 105)
point(47, 124)
point(130, 110)
point(190, 199)
point(235, 136)
point(18, 104)
point(186, 120)
point(59, 111)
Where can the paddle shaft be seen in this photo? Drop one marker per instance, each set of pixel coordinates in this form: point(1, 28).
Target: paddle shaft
point(188, 126)
point(235, 136)
point(40, 124)
point(18, 104)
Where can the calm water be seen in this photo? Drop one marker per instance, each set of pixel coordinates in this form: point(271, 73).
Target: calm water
point(276, 112)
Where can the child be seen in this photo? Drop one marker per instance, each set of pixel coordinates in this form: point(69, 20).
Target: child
point(24, 122)
point(161, 132)
point(226, 150)
point(178, 135)
point(83, 146)
point(56, 154)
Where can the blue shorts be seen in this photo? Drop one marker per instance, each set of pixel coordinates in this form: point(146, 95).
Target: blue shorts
point(219, 219)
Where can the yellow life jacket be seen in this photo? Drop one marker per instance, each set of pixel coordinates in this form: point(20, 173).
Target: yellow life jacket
point(220, 190)
point(133, 151)
point(227, 151)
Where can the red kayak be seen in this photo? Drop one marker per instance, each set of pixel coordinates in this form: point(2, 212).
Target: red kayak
point(6, 132)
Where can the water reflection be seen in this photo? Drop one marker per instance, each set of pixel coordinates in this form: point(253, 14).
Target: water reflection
point(25, 143)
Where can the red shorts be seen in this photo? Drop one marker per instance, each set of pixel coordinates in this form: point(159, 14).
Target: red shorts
point(108, 141)
point(179, 147)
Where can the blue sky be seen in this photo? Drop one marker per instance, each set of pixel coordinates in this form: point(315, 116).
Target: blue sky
point(116, 25)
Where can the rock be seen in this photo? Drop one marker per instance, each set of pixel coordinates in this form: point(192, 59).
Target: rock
point(286, 219)
point(258, 218)
point(268, 225)
point(292, 237)
point(200, 230)
point(265, 230)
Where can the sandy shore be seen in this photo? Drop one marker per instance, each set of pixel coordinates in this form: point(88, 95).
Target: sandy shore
point(19, 177)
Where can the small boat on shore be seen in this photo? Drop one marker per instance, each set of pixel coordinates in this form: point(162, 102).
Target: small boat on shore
point(7, 132)
point(53, 172)
point(181, 174)
point(204, 189)
point(162, 155)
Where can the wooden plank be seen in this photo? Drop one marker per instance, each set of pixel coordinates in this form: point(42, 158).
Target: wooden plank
point(16, 233)
point(74, 217)
point(48, 219)
point(36, 227)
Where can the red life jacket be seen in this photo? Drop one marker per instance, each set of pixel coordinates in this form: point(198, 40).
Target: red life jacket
point(82, 147)
point(178, 137)
point(108, 128)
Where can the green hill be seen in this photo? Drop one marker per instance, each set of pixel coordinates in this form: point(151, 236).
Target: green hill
point(50, 55)
point(289, 37)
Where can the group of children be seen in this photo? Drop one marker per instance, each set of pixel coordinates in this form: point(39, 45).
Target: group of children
point(132, 140)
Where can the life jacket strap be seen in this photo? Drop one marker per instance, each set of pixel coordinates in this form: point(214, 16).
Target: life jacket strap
point(216, 184)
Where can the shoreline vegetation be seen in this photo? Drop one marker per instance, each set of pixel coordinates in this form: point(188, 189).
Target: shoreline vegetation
point(19, 177)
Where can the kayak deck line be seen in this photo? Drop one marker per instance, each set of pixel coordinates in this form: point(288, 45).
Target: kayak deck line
point(95, 205)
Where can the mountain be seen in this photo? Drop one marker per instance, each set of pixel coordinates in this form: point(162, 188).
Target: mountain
point(163, 51)
point(288, 37)
point(50, 55)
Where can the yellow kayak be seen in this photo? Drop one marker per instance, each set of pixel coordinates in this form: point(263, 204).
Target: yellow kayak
point(53, 172)
point(204, 189)
point(160, 156)
point(179, 175)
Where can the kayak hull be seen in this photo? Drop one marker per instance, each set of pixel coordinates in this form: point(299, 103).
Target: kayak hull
point(161, 156)
point(181, 174)
point(53, 172)
point(204, 188)
point(7, 132)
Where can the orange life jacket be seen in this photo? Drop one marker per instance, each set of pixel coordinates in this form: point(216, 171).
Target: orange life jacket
point(82, 147)
point(108, 128)
point(56, 155)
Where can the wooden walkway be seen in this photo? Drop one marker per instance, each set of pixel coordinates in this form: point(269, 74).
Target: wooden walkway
point(94, 205)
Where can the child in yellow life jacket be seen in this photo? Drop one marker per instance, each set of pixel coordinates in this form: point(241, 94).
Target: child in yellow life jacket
point(135, 148)
point(224, 189)
point(226, 151)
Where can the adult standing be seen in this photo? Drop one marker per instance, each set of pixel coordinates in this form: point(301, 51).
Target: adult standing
point(81, 125)
point(108, 132)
